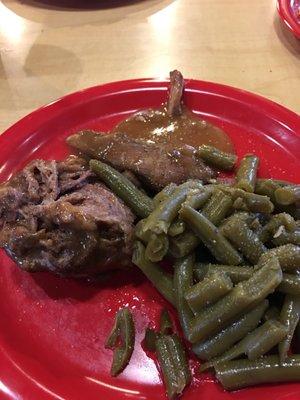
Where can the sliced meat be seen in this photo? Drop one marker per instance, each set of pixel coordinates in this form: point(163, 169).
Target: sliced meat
point(157, 165)
point(174, 106)
point(73, 173)
point(79, 233)
point(38, 181)
point(62, 251)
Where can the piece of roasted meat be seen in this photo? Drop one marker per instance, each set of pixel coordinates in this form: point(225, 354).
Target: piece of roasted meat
point(55, 217)
point(145, 143)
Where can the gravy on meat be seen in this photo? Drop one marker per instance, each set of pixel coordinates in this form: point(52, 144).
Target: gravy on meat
point(156, 126)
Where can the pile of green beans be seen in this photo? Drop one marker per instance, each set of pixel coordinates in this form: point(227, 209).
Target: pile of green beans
point(235, 283)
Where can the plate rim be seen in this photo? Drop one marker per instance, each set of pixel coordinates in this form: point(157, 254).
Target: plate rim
point(55, 107)
point(283, 7)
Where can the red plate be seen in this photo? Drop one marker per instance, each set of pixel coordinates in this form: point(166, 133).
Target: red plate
point(289, 11)
point(53, 330)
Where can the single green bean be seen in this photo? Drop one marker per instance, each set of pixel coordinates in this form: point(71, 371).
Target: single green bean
point(140, 232)
point(289, 284)
point(200, 271)
point(218, 207)
point(244, 239)
point(210, 236)
point(286, 238)
point(278, 182)
point(246, 173)
point(139, 202)
point(213, 287)
point(162, 281)
point(198, 199)
point(183, 280)
point(235, 273)
point(264, 338)
point(287, 195)
point(289, 317)
point(244, 295)
point(164, 194)
point(254, 345)
point(267, 187)
point(160, 219)
point(165, 323)
point(288, 256)
point(222, 341)
point(176, 228)
point(217, 158)
point(173, 363)
point(183, 244)
point(123, 329)
point(157, 247)
point(242, 373)
point(276, 221)
point(151, 337)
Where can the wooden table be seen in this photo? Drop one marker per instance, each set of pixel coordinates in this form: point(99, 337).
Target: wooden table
point(49, 49)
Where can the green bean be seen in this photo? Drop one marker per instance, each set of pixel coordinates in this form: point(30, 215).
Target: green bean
point(123, 329)
point(287, 195)
point(182, 359)
point(208, 291)
point(217, 207)
point(210, 236)
point(235, 273)
point(264, 338)
point(276, 221)
point(244, 239)
point(249, 201)
point(140, 232)
point(288, 256)
point(173, 363)
point(246, 173)
point(164, 194)
point(161, 280)
point(200, 271)
point(165, 323)
point(289, 284)
point(140, 203)
point(244, 295)
point(176, 228)
point(242, 373)
point(151, 337)
point(157, 247)
point(286, 238)
point(160, 219)
point(217, 158)
point(289, 316)
point(183, 280)
point(183, 244)
point(222, 341)
point(278, 182)
point(272, 313)
point(198, 199)
point(267, 187)
point(254, 345)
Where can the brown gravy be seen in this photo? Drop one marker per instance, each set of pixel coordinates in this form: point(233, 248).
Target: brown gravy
point(156, 126)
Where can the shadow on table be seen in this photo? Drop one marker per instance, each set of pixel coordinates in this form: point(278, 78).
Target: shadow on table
point(57, 13)
point(80, 5)
point(286, 37)
point(46, 77)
